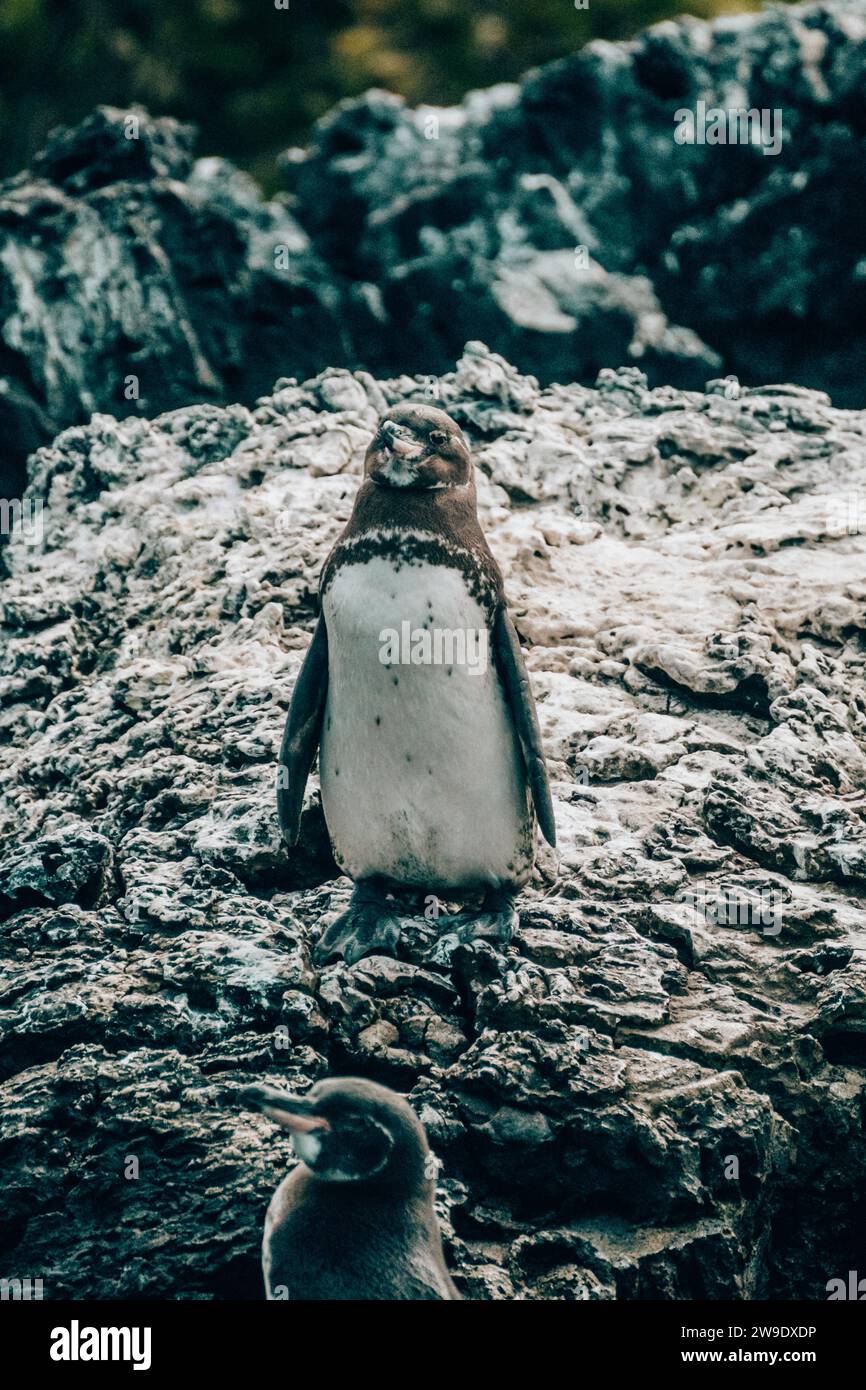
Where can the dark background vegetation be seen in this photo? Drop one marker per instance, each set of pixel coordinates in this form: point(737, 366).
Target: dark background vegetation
point(254, 77)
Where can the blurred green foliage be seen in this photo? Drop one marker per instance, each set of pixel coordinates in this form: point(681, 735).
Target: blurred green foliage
point(254, 74)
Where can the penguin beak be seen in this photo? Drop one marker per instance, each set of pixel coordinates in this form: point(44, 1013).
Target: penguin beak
point(296, 1115)
point(399, 440)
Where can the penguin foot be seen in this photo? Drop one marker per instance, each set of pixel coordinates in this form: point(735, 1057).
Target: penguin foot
point(495, 923)
point(369, 926)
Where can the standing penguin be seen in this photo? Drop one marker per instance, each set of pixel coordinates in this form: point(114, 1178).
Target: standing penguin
point(430, 755)
point(354, 1219)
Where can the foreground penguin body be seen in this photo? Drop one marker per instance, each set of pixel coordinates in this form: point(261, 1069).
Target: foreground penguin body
point(355, 1219)
point(421, 771)
point(430, 755)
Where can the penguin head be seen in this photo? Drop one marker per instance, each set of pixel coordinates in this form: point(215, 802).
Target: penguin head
point(418, 447)
point(347, 1129)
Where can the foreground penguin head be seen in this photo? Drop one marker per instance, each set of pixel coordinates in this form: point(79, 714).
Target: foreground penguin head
point(350, 1130)
point(419, 447)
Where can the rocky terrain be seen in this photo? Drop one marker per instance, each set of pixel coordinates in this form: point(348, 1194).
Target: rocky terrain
point(658, 1089)
point(134, 278)
point(558, 219)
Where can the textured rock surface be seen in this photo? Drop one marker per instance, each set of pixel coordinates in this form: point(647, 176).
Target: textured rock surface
point(693, 255)
point(658, 1090)
point(135, 279)
point(125, 258)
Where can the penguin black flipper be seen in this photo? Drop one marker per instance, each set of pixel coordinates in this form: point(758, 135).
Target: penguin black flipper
point(518, 694)
point(302, 733)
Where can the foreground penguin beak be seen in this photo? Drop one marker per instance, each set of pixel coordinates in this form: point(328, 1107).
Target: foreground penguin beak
point(292, 1112)
point(399, 440)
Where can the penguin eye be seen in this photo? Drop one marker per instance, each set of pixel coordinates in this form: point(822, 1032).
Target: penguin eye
point(438, 437)
point(362, 1148)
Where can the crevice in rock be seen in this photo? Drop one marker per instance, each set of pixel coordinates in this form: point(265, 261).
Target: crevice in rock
point(749, 697)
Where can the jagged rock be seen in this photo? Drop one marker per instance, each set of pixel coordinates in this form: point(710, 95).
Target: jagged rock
point(73, 865)
point(134, 279)
point(556, 219)
point(657, 1090)
point(559, 219)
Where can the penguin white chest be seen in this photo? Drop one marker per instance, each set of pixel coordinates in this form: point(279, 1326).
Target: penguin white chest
point(421, 770)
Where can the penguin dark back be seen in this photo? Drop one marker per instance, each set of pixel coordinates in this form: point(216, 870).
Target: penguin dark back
point(355, 1218)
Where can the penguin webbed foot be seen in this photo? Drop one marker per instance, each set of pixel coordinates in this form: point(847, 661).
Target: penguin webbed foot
point(495, 923)
point(369, 926)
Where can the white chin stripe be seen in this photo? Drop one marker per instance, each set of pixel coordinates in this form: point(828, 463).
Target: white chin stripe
point(307, 1147)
